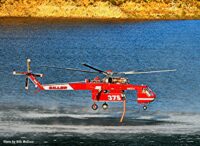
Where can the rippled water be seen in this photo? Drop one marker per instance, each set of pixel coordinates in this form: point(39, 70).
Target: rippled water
point(66, 117)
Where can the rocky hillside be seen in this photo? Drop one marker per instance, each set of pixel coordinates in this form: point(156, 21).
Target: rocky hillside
point(133, 9)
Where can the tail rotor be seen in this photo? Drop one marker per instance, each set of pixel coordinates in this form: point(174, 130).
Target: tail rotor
point(27, 73)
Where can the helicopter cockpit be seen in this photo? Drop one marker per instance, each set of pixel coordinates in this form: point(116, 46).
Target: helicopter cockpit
point(147, 91)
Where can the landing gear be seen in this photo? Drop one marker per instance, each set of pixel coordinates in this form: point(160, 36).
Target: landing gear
point(105, 106)
point(145, 107)
point(94, 106)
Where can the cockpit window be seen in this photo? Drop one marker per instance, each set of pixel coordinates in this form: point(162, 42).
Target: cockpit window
point(147, 91)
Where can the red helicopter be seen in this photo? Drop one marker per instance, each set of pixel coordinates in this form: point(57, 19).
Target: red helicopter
point(109, 89)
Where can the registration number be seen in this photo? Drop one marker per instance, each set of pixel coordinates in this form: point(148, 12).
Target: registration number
point(114, 97)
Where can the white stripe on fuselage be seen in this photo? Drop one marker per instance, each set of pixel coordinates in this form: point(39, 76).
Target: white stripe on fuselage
point(57, 87)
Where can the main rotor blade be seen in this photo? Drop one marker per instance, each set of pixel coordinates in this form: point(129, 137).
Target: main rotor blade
point(71, 69)
point(146, 72)
point(26, 83)
point(100, 71)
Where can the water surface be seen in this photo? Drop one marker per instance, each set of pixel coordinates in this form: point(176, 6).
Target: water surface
point(66, 117)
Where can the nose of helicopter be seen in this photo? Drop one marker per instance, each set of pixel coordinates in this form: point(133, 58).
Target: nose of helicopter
point(146, 95)
point(151, 95)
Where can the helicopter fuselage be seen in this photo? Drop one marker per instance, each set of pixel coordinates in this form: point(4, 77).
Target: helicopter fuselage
point(102, 91)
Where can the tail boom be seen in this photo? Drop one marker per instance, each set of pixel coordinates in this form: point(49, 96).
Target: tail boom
point(36, 82)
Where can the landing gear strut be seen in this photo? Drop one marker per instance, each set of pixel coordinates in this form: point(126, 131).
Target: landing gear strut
point(105, 106)
point(94, 106)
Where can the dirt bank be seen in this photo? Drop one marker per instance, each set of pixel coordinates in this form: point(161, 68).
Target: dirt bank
point(123, 9)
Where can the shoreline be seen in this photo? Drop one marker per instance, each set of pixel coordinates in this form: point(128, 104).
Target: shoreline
point(88, 19)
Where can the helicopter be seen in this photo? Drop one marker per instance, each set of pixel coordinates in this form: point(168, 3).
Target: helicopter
point(111, 88)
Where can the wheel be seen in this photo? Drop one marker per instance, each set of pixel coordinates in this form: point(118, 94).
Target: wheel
point(144, 107)
point(105, 106)
point(94, 106)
